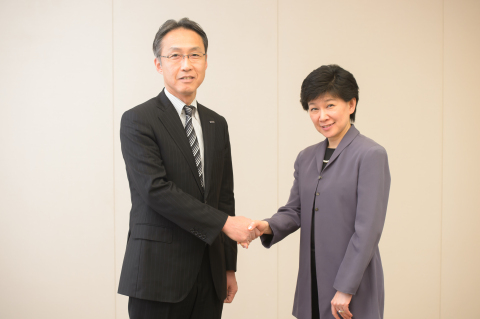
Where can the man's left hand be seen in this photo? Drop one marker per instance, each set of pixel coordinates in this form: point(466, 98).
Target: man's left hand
point(232, 287)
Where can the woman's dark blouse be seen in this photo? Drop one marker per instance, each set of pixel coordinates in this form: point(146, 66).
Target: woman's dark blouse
point(328, 154)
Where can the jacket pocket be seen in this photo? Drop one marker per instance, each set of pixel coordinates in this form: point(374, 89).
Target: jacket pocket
point(152, 232)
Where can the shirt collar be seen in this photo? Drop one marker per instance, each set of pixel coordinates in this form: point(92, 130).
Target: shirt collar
point(179, 104)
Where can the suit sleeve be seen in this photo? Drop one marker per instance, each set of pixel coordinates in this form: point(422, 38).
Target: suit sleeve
point(148, 175)
point(288, 218)
point(227, 202)
point(372, 197)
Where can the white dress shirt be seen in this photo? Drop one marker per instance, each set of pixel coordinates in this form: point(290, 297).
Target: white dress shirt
point(197, 125)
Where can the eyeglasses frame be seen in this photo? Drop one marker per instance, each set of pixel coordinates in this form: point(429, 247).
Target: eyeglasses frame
point(183, 56)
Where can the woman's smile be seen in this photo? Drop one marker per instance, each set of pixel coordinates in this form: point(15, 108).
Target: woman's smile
point(327, 127)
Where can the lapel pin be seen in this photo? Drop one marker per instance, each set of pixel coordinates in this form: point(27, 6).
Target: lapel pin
point(212, 121)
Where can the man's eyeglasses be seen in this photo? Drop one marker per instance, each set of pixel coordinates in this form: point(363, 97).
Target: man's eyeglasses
point(193, 57)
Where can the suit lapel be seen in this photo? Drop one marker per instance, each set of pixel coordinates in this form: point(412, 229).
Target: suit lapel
point(208, 128)
point(346, 140)
point(173, 124)
point(320, 154)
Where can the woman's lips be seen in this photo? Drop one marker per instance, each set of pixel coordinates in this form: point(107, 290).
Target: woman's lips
point(326, 127)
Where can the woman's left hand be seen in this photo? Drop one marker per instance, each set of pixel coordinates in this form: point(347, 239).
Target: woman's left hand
point(340, 305)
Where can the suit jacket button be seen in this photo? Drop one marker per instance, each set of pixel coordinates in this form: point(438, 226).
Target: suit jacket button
point(317, 194)
point(319, 177)
point(316, 208)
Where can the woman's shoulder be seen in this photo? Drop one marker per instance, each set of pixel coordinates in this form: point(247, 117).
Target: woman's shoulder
point(368, 146)
point(310, 150)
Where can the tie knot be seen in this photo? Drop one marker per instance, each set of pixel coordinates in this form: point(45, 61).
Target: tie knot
point(189, 109)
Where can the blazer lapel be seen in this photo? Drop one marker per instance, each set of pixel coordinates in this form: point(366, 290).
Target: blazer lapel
point(208, 128)
point(346, 140)
point(174, 126)
point(320, 154)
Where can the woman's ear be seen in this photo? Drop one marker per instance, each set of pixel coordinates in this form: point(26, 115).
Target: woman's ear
point(352, 104)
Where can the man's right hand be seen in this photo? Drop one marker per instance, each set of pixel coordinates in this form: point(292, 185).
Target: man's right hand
point(236, 227)
point(260, 227)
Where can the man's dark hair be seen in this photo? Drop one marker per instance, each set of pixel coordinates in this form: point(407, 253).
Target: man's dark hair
point(171, 25)
point(330, 79)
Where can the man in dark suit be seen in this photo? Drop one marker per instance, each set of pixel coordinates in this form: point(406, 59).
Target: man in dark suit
point(181, 253)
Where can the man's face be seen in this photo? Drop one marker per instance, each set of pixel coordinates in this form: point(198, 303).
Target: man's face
point(183, 77)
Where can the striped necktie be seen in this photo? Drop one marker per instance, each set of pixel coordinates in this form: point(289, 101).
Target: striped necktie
point(192, 138)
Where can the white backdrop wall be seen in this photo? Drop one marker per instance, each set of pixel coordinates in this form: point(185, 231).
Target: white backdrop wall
point(70, 69)
point(56, 128)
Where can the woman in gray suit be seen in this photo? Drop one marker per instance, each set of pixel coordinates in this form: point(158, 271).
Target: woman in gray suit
point(339, 200)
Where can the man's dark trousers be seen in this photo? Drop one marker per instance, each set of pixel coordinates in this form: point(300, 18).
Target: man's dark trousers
point(201, 303)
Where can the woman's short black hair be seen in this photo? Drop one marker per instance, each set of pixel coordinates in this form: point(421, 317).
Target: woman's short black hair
point(330, 79)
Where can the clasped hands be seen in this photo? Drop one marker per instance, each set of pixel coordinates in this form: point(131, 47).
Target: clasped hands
point(244, 230)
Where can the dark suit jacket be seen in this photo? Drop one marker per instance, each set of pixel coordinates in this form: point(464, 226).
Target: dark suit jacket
point(172, 219)
point(349, 198)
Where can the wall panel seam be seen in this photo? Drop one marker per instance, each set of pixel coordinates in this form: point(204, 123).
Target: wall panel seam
point(442, 157)
point(113, 171)
point(278, 149)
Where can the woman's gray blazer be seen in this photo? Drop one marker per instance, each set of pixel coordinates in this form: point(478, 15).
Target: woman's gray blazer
point(350, 196)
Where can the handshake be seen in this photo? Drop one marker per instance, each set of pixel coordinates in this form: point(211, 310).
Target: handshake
point(244, 230)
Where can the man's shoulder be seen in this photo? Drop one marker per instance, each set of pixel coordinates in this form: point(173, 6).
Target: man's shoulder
point(143, 112)
point(145, 107)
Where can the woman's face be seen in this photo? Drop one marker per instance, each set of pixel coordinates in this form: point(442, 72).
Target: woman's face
point(331, 117)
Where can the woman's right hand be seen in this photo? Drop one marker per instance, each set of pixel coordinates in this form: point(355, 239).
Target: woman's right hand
point(259, 227)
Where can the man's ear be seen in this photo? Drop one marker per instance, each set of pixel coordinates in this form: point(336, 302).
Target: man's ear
point(158, 65)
